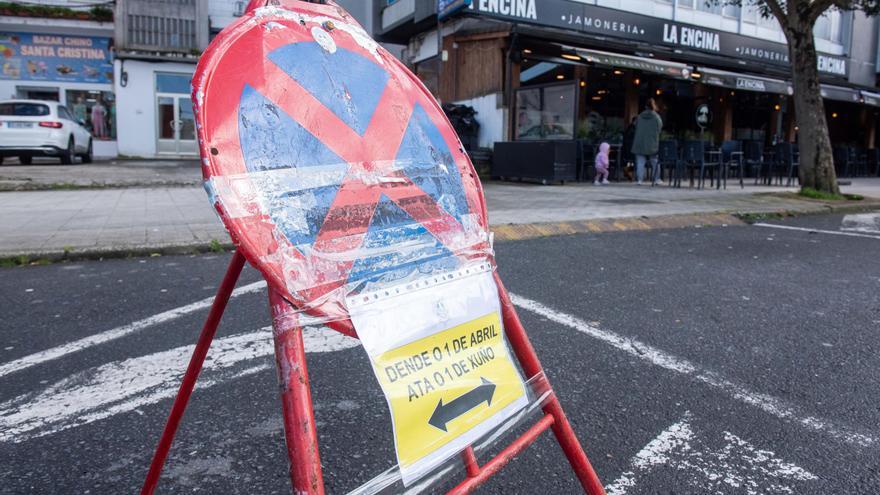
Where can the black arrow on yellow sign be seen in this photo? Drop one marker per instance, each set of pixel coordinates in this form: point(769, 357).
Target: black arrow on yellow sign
point(446, 413)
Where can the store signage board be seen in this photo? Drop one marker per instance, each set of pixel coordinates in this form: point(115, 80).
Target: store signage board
point(602, 21)
point(446, 8)
point(57, 58)
point(441, 358)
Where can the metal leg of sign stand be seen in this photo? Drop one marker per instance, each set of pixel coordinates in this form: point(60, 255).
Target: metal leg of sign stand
point(565, 435)
point(192, 371)
point(300, 432)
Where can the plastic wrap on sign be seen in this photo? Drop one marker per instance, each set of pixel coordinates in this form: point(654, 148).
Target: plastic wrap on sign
point(332, 167)
point(439, 353)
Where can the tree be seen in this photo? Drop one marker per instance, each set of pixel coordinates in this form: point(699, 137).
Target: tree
point(797, 18)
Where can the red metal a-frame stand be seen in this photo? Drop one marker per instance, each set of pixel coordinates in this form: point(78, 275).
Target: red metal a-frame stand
point(296, 399)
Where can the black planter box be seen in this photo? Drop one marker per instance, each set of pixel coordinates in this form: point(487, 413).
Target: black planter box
point(543, 161)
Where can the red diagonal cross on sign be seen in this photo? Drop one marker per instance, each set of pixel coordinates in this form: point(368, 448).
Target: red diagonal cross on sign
point(371, 159)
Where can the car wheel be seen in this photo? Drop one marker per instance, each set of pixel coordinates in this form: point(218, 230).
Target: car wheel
point(68, 154)
point(25, 160)
point(87, 156)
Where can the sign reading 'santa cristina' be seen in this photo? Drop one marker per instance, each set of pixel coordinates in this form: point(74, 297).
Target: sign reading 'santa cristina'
point(49, 57)
point(602, 21)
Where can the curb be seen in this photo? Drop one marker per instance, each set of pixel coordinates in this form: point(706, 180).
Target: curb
point(502, 233)
point(519, 232)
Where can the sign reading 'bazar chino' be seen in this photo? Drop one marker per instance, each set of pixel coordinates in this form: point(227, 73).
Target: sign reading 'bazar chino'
point(603, 21)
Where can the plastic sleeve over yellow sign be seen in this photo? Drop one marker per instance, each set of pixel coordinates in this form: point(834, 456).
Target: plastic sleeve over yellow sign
point(443, 385)
point(439, 352)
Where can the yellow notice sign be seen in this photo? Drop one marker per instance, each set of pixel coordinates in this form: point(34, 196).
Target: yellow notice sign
point(442, 386)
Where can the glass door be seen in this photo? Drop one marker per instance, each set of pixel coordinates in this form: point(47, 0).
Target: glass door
point(176, 125)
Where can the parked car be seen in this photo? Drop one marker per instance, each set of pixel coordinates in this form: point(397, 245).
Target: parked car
point(30, 128)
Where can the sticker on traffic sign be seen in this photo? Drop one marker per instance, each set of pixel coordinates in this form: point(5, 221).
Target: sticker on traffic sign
point(443, 363)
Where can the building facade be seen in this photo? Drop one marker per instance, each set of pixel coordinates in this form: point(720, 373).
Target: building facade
point(158, 45)
point(63, 54)
point(564, 69)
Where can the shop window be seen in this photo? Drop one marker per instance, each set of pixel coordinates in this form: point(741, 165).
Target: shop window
point(97, 109)
point(546, 112)
point(173, 83)
point(534, 72)
point(428, 72)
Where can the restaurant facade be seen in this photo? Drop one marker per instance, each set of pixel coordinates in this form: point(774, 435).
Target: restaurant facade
point(565, 69)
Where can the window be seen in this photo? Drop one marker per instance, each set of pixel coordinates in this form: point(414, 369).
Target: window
point(173, 83)
point(750, 13)
point(709, 6)
point(732, 11)
point(97, 109)
point(24, 109)
point(828, 26)
point(64, 114)
point(687, 4)
point(545, 112)
point(428, 72)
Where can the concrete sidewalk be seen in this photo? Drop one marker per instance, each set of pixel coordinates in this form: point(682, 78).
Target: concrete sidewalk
point(48, 223)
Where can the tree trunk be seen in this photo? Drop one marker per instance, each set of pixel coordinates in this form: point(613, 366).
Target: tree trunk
point(816, 168)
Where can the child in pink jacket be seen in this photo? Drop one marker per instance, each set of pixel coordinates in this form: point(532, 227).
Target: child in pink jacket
point(602, 164)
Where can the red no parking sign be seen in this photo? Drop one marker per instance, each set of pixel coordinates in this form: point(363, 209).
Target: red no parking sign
point(328, 161)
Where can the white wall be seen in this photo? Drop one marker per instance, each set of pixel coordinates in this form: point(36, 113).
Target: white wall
point(490, 115)
point(136, 104)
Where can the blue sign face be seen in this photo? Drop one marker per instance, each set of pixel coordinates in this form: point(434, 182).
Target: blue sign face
point(50, 57)
point(448, 7)
point(300, 176)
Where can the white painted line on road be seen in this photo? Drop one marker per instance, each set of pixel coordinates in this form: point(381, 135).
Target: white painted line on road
point(771, 405)
point(123, 386)
point(817, 231)
point(736, 466)
point(118, 332)
point(862, 222)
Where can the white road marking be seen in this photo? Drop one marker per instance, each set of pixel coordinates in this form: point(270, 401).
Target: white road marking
point(862, 222)
point(771, 405)
point(737, 466)
point(817, 231)
point(118, 332)
point(123, 386)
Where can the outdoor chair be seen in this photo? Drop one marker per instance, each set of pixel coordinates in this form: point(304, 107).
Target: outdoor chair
point(785, 163)
point(872, 159)
point(858, 161)
point(668, 158)
point(694, 157)
point(586, 160)
point(841, 158)
point(732, 158)
point(753, 158)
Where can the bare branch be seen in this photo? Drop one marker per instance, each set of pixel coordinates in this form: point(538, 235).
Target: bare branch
point(778, 12)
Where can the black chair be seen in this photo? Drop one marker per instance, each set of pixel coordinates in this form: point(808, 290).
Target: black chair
point(753, 158)
point(872, 158)
point(586, 160)
point(858, 161)
point(668, 158)
point(732, 158)
point(785, 163)
point(694, 157)
point(841, 158)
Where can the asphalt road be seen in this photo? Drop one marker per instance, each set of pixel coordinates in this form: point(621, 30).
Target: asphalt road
point(722, 360)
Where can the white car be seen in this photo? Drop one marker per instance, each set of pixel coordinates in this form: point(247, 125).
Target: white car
point(30, 128)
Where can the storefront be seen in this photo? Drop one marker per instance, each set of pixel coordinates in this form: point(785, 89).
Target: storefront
point(70, 66)
point(571, 70)
point(156, 117)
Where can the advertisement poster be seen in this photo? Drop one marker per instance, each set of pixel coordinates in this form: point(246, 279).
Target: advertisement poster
point(50, 57)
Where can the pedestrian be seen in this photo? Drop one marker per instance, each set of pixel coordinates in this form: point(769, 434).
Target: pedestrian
point(602, 164)
point(646, 142)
